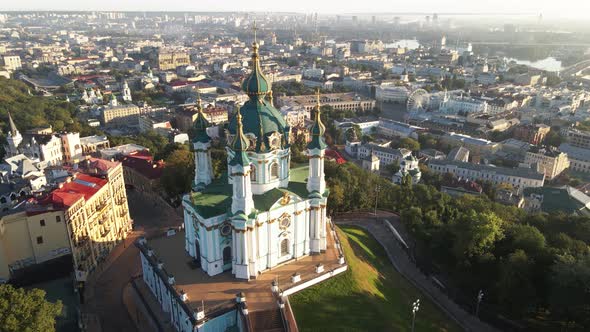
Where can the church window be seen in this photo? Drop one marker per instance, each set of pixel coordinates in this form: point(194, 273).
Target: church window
point(284, 247)
point(225, 230)
point(285, 222)
point(274, 170)
point(226, 255)
point(252, 173)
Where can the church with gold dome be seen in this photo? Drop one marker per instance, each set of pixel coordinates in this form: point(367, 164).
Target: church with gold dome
point(262, 213)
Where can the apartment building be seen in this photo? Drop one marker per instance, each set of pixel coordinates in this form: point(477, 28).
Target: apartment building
point(552, 163)
point(170, 60)
point(86, 216)
point(517, 177)
point(339, 101)
point(120, 116)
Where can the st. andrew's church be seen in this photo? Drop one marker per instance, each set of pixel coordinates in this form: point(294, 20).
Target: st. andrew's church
point(262, 213)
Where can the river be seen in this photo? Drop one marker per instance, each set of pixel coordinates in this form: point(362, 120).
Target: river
point(548, 64)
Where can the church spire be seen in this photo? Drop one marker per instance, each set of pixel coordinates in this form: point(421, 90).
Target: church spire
point(13, 130)
point(240, 145)
point(317, 129)
point(201, 124)
point(255, 84)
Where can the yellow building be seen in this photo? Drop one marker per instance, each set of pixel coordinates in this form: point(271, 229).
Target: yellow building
point(121, 116)
point(169, 60)
point(552, 163)
point(87, 216)
point(29, 237)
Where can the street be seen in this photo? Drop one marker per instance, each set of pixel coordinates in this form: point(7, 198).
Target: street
point(104, 293)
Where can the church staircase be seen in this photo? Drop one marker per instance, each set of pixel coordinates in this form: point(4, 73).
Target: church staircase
point(267, 321)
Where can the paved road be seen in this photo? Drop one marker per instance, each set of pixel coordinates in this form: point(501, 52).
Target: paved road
point(105, 289)
point(403, 264)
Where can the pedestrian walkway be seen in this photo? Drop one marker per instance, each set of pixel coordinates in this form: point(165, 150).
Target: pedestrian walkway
point(404, 265)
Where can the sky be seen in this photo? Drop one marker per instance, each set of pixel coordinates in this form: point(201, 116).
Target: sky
point(549, 8)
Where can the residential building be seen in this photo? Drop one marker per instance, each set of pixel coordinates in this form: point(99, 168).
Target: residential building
point(533, 134)
point(577, 138)
point(552, 163)
point(517, 177)
point(86, 216)
point(386, 155)
point(12, 62)
point(93, 144)
point(348, 101)
point(125, 115)
point(579, 158)
point(564, 199)
point(171, 59)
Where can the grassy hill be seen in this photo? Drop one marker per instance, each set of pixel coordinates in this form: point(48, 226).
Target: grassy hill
point(370, 296)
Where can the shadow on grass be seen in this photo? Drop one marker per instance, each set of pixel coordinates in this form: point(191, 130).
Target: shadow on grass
point(370, 296)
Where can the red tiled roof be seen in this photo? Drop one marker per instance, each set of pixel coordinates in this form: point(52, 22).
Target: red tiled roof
point(144, 164)
point(83, 185)
point(335, 155)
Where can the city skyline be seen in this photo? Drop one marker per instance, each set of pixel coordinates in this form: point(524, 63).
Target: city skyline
point(567, 8)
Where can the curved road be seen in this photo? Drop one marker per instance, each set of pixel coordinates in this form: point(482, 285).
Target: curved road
point(400, 260)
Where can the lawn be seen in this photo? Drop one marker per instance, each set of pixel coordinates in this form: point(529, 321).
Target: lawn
point(370, 296)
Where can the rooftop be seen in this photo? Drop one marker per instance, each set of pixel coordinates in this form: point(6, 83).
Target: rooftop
point(215, 199)
point(218, 292)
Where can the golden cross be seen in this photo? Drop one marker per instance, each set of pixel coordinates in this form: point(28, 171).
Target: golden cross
point(317, 93)
point(254, 28)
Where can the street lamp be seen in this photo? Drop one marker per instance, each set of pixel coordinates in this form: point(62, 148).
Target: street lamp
point(479, 298)
point(376, 197)
point(415, 308)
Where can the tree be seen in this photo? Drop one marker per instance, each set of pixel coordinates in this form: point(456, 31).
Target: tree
point(475, 234)
point(553, 138)
point(178, 173)
point(29, 311)
point(409, 143)
point(570, 282)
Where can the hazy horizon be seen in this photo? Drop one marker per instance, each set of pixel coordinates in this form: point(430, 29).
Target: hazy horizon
point(548, 8)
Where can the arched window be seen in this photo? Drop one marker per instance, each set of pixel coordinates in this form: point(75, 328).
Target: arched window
point(252, 173)
point(284, 247)
point(226, 255)
point(274, 170)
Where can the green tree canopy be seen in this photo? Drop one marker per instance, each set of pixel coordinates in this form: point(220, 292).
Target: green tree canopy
point(26, 311)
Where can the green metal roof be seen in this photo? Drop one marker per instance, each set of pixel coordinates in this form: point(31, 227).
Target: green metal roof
point(256, 83)
point(557, 200)
point(240, 145)
point(215, 199)
point(260, 118)
point(317, 129)
point(201, 125)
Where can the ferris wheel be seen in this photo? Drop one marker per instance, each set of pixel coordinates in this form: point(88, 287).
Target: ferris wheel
point(418, 100)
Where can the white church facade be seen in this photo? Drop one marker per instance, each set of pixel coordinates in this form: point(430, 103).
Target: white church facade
point(262, 213)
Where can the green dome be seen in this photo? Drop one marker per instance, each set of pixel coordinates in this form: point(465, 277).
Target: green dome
point(260, 118)
point(256, 83)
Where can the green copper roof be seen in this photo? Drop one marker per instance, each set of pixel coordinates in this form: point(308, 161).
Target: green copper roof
point(256, 83)
point(317, 129)
point(215, 199)
point(201, 125)
point(261, 119)
point(240, 145)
